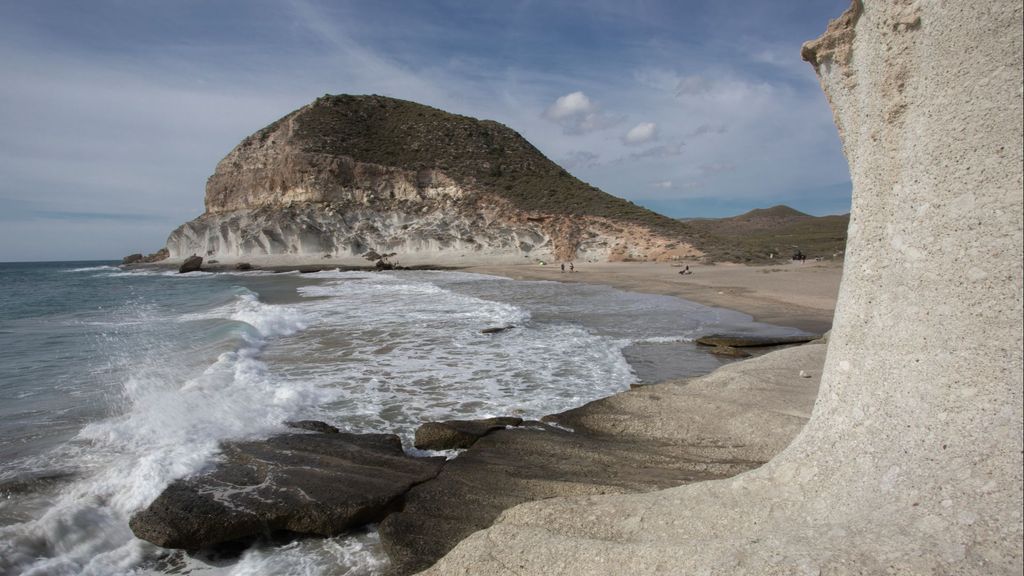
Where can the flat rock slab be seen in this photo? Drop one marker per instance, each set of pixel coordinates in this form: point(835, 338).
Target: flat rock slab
point(454, 434)
point(753, 341)
point(317, 484)
point(509, 467)
point(643, 440)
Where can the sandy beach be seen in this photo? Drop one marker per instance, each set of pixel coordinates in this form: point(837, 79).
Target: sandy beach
point(789, 294)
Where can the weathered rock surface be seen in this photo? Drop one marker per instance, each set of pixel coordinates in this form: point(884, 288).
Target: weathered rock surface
point(191, 264)
point(647, 439)
point(912, 460)
point(496, 329)
point(349, 174)
point(313, 426)
point(455, 434)
point(752, 341)
point(317, 484)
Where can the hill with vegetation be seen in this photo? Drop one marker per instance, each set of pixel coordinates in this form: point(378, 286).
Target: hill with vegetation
point(753, 237)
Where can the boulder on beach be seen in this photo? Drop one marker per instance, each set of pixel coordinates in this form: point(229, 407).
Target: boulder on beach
point(132, 259)
point(191, 264)
point(243, 266)
point(316, 484)
point(453, 434)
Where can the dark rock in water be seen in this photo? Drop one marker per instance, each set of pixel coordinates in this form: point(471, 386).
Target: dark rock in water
point(383, 265)
point(752, 341)
point(453, 434)
point(243, 266)
point(310, 270)
point(191, 264)
point(161, 254)
point(509, 467)
point(317, 484)
point(496, 329)
point(313, 426)
point(729, 351)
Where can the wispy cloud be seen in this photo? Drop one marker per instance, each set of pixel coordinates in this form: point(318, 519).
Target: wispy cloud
point(118, 112)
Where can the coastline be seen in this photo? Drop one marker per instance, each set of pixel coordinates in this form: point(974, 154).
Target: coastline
point(788, 294)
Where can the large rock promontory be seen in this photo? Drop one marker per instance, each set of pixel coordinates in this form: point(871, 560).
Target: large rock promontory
point(346, 175)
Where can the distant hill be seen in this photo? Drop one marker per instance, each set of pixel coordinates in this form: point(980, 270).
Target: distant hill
point(780, 230)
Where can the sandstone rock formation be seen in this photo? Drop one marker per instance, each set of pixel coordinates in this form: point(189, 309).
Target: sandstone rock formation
point(912, 460)
point(347, 175)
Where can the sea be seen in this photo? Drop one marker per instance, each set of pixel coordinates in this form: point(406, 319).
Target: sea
point(115, 382)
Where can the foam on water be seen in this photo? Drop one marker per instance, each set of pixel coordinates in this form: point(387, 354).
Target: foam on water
point(368, 352)
point(168, 427)
point(408, 351)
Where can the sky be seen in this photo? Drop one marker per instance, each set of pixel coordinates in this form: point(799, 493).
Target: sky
point(114, 112)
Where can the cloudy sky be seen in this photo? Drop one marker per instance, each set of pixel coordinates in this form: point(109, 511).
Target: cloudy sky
point(114, 112)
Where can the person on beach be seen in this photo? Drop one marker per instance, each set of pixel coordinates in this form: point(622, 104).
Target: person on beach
point(686, 271)
point(571, 267)
point(563, 267)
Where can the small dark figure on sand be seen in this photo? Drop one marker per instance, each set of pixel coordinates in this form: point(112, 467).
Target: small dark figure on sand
point(571, 267)
point(686, 271)
point(563, 267)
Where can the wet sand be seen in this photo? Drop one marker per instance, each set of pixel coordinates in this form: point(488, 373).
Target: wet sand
point(789, 294)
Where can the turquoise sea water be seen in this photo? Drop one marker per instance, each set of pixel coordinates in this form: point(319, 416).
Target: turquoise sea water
point(113, 383)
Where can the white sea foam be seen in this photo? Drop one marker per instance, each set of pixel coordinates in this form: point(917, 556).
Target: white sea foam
point(368, 352)
point(92, 269)
point(170, 427)
point(407, 351)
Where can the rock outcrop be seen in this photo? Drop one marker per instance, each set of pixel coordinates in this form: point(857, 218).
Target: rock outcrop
point(912, 460)
point(647, 439)
point(349, 174)
point(316, 484)
point(457, 434)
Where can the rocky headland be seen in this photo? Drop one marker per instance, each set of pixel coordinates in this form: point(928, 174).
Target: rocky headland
point(347, 175)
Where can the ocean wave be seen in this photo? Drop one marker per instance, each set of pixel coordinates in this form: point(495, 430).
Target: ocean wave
point(171, 422)
point(92, 269)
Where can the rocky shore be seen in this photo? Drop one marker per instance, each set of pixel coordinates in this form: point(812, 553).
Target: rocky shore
point(323, 482)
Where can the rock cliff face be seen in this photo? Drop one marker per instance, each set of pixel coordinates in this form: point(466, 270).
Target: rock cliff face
point(911, 462)
point(349, 174)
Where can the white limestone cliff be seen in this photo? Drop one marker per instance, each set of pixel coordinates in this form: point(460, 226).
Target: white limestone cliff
point(912, 460)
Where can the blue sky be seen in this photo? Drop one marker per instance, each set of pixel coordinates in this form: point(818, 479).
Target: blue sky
point(114, 112)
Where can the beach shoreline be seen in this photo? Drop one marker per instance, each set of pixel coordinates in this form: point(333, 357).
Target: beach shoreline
point(797, 295)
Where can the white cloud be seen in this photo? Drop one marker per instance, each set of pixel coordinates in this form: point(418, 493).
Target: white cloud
point(664, 184)
point(574, 104)
point(577, 114)
point(641, 133)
